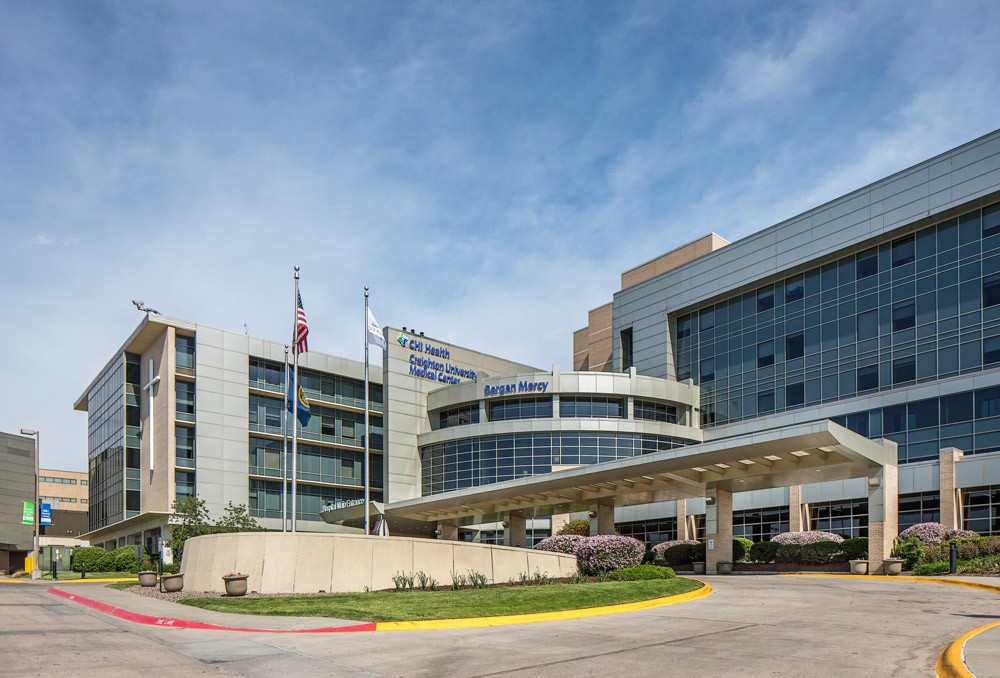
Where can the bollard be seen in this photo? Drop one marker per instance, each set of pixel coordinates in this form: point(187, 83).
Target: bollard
point(953, 559)
point(55, 569)
point(83, 570)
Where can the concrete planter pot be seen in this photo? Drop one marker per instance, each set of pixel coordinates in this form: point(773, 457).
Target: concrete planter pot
point(236, 586)
point(859, 566)
point(172, 583)
point(699, 567)
point(724, 568)
point(147, 578)
point(893, 566)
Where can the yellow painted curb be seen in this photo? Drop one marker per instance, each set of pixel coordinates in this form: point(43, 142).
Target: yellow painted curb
point(992, 588)
point(951, 661)
point(473, 622)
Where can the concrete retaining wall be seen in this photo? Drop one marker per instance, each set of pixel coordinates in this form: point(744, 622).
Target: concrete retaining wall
point(308, 563)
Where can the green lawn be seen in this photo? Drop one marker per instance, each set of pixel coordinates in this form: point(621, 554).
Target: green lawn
point(65, 575)
point(417, 605)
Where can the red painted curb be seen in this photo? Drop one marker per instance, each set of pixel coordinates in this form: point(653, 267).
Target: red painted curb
point(187, 624)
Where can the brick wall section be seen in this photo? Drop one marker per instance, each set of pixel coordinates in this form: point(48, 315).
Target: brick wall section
point(672, 259)
point(593, 344)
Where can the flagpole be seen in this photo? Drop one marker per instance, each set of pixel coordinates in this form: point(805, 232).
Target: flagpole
point(295, 382)
point(284, 452)
point(367, 471)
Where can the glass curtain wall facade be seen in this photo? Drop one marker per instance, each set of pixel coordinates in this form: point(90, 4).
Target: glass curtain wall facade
point(331, 445)
point(106, 446)
point(923, 307)
point(484, 460)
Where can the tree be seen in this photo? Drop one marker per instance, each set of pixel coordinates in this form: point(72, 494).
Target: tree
point(192, 521)
point(237, 518)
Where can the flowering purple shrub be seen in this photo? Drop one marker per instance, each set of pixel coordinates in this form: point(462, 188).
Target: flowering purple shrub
point(961, 534)
point(561, 543)
point(801, 538)
point(663, 546)
point(928, 533)
point(608, 552)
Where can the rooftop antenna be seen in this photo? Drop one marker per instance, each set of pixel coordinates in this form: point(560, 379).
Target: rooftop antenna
point(245, 330)
point(141, 305)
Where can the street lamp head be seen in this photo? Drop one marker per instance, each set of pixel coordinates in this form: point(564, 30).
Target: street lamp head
point(28, 432)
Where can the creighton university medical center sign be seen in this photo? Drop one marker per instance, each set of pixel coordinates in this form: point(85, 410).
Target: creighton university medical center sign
point(428, 361)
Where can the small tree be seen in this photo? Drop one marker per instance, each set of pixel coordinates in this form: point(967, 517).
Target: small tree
point(193, 522)
point(237, 518)
point(579, 527)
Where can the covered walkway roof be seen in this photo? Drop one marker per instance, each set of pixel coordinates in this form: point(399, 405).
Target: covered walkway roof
point(792, 455)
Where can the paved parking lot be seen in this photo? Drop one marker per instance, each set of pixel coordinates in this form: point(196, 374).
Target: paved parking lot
point(751, 626)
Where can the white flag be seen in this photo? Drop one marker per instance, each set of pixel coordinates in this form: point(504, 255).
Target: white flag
point(374, 331)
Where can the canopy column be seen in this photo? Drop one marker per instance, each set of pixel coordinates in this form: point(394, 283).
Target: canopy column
point(718, 528)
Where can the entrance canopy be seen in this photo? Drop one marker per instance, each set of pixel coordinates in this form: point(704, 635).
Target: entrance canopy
point(792, 455)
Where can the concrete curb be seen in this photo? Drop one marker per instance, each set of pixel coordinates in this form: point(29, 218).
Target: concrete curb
point(471, 622)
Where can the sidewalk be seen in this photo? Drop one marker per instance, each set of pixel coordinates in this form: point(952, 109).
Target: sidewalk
point(164, 611)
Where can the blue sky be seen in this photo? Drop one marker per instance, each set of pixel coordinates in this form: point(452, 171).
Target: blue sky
point(487, 168)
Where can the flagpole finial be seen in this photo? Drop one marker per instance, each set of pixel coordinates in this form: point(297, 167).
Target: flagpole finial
point(296, 272)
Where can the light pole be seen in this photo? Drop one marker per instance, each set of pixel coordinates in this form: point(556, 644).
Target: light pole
point(36, 573)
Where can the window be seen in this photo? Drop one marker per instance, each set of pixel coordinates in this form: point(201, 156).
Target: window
point(185, 446)
point(185, 351)
point(626, 349)
point(991, 220)
point(520, 408)
point(956, 408)
point(991, 290)
point(868, 325)
point(867, 263)
point(795, 394)
point(706, 320)
point(922, 414)
point(765, 299)
point(765, 402)
point(794, 289)
point(867, 378)
point(904, 370)
point(645, 409)
point(684, 327)
point(459, 416)
point(765, 354)
point(991, 350)
point(902, 251)
point(988, 402)
point(185, 401)
point(894, 419)
point(587, 407)
point(903, 316)
point(794, 346)
point(707, 370)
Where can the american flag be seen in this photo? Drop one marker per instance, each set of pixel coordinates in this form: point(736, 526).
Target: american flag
point(301, 329)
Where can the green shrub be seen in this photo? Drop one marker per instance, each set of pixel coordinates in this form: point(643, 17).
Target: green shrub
point(855, 548)
point(764, 552)
point(698, 551)
point(818, 553)
point(641, 572)
point(94, 558)
point(910, 550)
point(924, 569)
point(788, 553)
point(982, 565)
point(125, 560)
point(741, 549)
point(579, 527)
point(679, 554)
